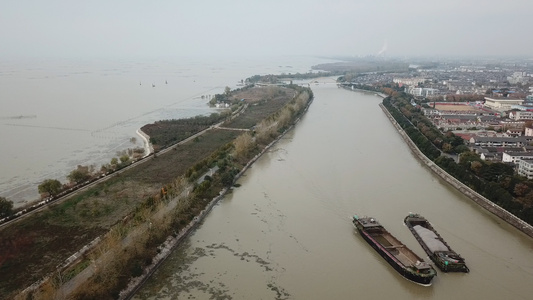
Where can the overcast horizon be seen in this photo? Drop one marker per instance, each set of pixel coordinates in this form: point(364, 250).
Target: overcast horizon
point(34, 29)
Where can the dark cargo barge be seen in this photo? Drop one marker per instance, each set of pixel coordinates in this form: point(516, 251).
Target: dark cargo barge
point(401, 258)
point(436, 248)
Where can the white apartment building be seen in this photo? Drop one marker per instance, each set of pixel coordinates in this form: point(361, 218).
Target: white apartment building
point(521, 115)
point(525, 168)
point(516, 157)
point(424, 92)
point(409, 81)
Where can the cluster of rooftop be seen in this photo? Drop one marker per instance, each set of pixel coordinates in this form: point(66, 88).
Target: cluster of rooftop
point(489, 104)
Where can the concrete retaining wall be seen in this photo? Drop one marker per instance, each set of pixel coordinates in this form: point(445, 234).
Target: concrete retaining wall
point(473, 195)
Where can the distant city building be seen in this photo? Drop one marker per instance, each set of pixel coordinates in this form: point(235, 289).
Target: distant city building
point(409, 81)
point(515, 157)
point(502, 104)
point(514, 132)
point(430, 111)
point(422, 92)
point(524, 107)
point(520, 141)
point(525, 168)
point(462, 87)
point(518, 77)
point(490, 156)
point(508, 123)
point(521, 115)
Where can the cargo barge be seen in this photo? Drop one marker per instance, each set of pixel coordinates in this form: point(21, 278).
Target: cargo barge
point(401, 258)
point(436, 248)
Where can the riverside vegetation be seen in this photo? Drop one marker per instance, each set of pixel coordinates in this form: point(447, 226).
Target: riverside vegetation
point(132, 213)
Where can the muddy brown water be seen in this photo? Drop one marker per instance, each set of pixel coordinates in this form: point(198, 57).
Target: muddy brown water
point(286, 232)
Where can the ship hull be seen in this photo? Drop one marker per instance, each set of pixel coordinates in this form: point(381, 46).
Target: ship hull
point(446, 259)
point(426, 281)
point(424, 278)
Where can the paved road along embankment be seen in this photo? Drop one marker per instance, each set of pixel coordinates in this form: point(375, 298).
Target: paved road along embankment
point(473, 195)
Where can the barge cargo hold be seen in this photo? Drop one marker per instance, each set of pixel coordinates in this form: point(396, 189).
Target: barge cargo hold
point(436, 248)
point(401, 258)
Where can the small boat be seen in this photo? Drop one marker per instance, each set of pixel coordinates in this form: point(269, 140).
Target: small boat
point(401, 258)
point(436, 248)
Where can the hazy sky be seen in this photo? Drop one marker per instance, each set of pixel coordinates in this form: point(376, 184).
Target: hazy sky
point(237, 27)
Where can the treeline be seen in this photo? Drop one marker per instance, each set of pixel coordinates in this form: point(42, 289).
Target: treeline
point(372, 88)
point(53, 189)
point(229, 96)
point(168, 132)
point(496, 181)
point(269, 128)
point(422, 142)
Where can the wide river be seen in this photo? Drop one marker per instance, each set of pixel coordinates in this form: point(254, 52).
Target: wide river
point(286, 232)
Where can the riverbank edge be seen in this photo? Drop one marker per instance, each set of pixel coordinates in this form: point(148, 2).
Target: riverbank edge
point(174, 241)
point(148, 147)
point(461, 187)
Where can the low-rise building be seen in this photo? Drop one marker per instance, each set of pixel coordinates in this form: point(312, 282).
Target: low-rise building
point(413, 81)
point(515, 124)
point(495, 141)
point(515, 157)
point(502, 104)
point(491, 156)
point(514, 132)
point(525, 168)
point(488, 153)
point(422, 92)
point(521, 115)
